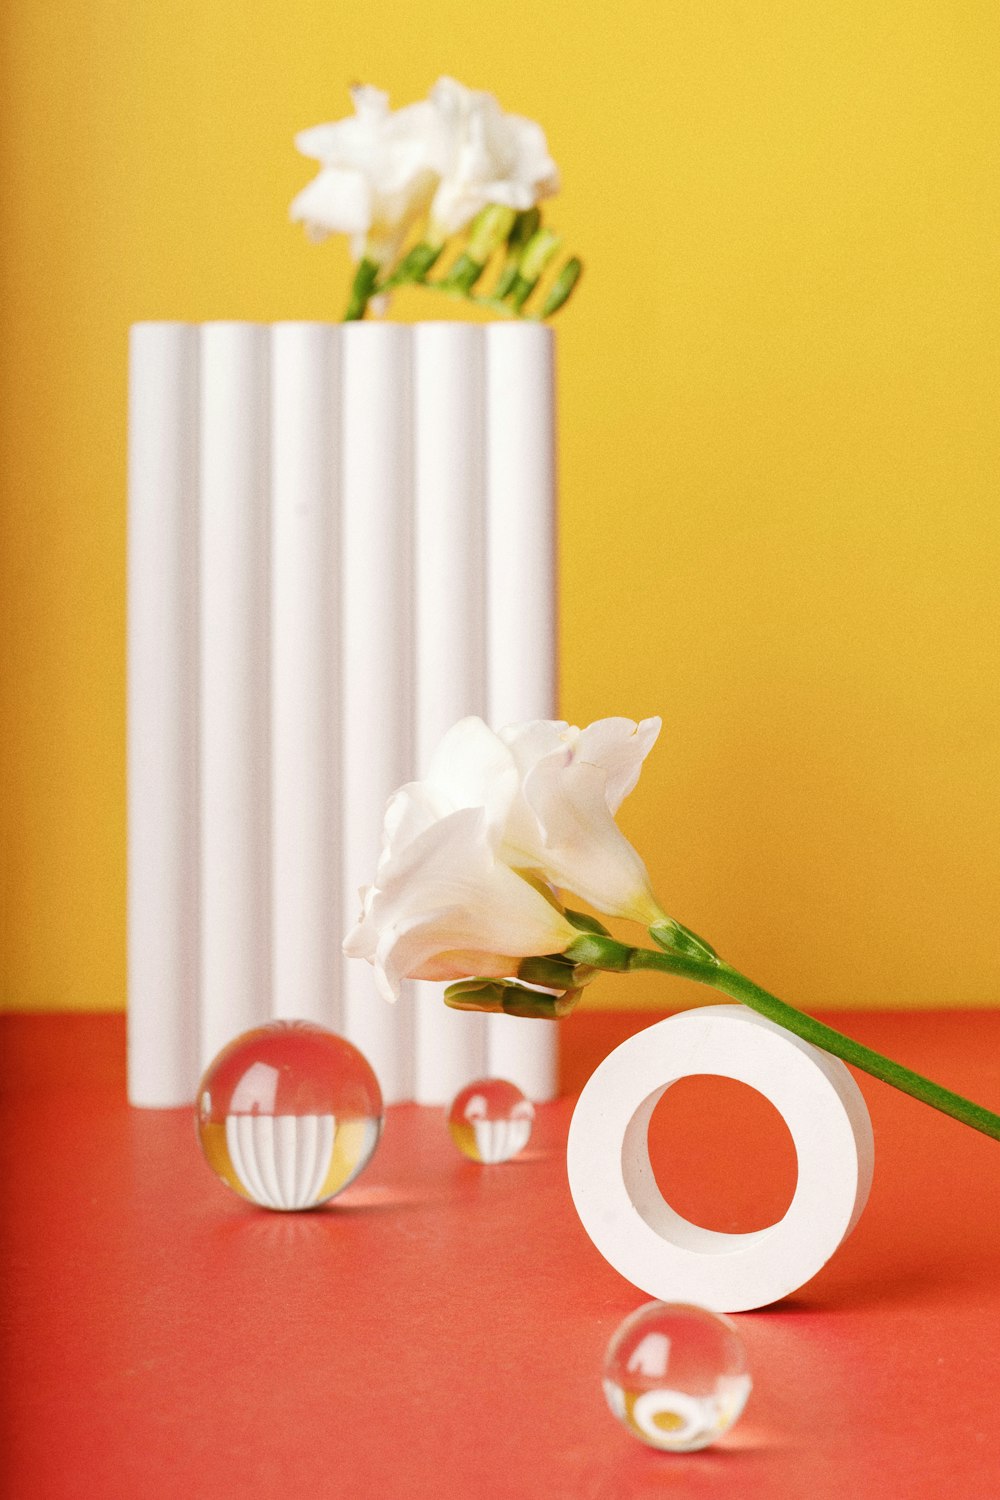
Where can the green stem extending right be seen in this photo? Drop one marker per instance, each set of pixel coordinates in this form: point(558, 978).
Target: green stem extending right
point(595, 950)
point(730, 982)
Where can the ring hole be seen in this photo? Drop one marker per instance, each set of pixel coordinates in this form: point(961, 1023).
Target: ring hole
point(722, 1155)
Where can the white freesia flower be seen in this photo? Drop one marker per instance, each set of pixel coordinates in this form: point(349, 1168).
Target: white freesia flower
point(562, 823)
point(483, 155)
point(377, 177)
point(472, 854)
point(444, 906)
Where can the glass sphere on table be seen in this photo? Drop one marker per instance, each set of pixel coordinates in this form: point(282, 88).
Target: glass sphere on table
point(676, 1375)
point(288, 1114)
point(490, 1120)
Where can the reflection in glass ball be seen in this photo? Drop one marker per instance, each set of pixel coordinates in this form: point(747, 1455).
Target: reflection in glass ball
point(676, 1375)
point(491, 1120)
point(288, 1114)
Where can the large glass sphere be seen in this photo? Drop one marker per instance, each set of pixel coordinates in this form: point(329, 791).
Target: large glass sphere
point(676, 1375)
point(288, 1114)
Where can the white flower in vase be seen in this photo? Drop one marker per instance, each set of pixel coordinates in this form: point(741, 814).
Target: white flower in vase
point(483, 156)
point(453, 171)
point(376, 178)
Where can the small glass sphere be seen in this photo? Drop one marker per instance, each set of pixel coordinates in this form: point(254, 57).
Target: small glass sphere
point(288, 1114)
point(491, 1120)
point(676, 1375)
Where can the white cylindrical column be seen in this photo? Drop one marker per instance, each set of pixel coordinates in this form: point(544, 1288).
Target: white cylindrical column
point(521, 601)
point(376, 656)
point(305, 804)
point(449, 571)
point(162, 714)
point(235, 783)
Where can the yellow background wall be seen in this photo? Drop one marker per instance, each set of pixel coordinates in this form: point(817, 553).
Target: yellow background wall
point(779, 392)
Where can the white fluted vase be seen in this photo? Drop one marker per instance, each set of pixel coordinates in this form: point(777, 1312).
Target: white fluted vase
point(342, 540)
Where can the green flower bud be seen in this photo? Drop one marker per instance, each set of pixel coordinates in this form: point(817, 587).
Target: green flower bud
point(599, 952)
point(525, 226)
point(414, 265)
point(488, 231)
point(475, 994)
point(562, 287)
point(674, 937)
point(463, 275)
point(555, 972)
point(537, 254)
point(495, 996)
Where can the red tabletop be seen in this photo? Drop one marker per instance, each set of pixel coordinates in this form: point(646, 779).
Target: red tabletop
point(438, 1330)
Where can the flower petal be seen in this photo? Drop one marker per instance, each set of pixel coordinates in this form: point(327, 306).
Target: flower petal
point(337, 201)
point(619, 746)
point(389, 154)
point(583, 850)
point(472, 767)
point(409, 812)
point(483, 156)
point(446, 892)
point(412, 950)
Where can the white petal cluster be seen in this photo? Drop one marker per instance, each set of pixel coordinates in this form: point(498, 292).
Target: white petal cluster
point(474, 855)
point(448, 156)
point(375, 176)
point(482, 155)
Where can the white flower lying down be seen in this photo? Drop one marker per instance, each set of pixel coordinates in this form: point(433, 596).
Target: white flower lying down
point(474, 855)
point(477, 858)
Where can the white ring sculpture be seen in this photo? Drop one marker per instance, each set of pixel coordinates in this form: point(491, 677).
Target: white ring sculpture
point(622, 1208)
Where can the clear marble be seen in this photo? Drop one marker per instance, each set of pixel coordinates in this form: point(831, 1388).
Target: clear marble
point(676, 1375)
point(288, 1114)
point(491, 1120)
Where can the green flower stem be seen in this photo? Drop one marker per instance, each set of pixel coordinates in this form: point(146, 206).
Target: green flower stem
point(362, 290)
point(729, 982)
